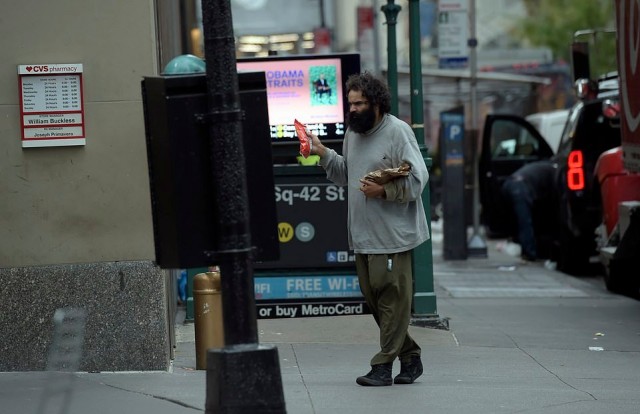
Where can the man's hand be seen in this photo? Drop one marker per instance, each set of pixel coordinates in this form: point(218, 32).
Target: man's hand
point(371, 189)
point(316, 147)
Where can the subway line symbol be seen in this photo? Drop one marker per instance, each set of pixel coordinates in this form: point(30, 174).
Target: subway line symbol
point(285, 232)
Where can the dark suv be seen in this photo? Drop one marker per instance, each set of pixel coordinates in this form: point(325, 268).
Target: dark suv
point(591, 130)
point(510, 142)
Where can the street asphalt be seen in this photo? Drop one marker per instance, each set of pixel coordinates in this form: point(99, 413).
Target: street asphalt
point(522, 338)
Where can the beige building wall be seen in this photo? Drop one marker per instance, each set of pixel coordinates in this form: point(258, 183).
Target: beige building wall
point(87, 203)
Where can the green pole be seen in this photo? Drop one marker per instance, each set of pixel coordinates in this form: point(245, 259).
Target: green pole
point(391, 11)
point(415, 70)
point(424, 298)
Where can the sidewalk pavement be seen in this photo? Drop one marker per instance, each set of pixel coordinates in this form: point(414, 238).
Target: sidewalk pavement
point(523, 338)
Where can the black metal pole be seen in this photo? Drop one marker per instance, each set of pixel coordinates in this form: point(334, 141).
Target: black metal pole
point(391, 11)
point(229, 174)
point(243, 377)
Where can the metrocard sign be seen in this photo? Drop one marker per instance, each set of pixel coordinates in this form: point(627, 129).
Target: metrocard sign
point(304, 295)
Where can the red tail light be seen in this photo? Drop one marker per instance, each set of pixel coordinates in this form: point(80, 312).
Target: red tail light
point(575, 172)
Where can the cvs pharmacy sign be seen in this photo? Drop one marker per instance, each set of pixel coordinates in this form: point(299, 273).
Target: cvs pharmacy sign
point(37, 69)
point(54, 68)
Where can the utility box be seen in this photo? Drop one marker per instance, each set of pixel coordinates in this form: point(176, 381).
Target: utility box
point(181, 169)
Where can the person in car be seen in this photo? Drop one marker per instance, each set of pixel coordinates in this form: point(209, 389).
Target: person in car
point(527, 191)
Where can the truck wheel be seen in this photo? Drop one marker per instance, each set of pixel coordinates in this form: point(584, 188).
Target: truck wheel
point(618, 279)
point(613, 278)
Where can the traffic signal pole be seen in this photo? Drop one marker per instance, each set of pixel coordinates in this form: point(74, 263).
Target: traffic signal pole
point(425, 311)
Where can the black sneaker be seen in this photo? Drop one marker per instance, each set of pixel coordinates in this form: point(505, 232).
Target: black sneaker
point(409, 371)
point(378, 376)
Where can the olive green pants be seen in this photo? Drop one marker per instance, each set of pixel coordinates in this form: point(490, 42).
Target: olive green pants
point(387, 285)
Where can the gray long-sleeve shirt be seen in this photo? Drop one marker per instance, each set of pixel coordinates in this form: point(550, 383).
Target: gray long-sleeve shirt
point(375, 225)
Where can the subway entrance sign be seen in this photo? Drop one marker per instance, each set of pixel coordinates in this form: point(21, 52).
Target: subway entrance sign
point(315, 274)
point(312, 221)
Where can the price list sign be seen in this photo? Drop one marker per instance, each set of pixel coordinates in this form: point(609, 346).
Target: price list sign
point(51, 106)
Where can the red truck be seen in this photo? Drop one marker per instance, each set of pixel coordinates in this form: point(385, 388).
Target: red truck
point(618, 170)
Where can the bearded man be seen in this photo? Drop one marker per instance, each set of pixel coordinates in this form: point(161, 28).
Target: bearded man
point(385, 221)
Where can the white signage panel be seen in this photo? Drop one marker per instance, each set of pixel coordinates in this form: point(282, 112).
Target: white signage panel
point(51, 105)
point(453, 34)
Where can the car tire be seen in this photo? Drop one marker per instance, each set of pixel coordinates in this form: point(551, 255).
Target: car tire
point(572, 263)
point(572, 255)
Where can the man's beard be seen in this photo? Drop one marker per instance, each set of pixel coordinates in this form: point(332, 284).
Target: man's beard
point(361, 122)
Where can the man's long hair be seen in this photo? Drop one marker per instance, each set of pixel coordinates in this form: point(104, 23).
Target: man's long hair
point(372, 88)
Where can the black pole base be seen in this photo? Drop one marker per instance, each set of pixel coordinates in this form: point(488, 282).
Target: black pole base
point(244, 379)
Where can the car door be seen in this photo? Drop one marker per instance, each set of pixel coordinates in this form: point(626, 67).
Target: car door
point(508, 143)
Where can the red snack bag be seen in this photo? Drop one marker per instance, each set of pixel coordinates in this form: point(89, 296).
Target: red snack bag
point(305, 140)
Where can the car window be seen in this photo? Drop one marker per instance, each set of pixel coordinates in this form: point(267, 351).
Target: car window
point(550, 125)
point(589, 131)
point(512, 140)
point(570, 128)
